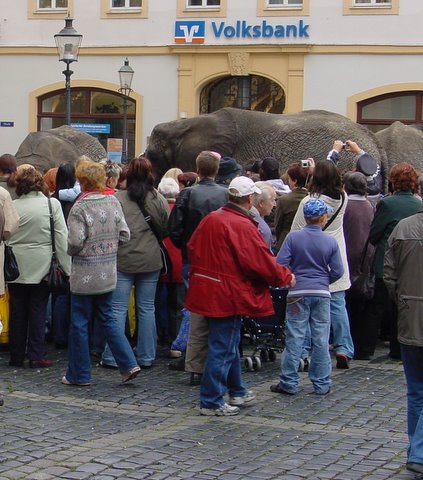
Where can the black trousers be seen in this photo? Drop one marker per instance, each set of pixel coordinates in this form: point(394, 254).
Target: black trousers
point(28, 303)
point(368, 316)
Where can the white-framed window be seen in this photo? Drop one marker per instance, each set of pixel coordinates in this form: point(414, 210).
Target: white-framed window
point(52, 4)
point(371, 3)
point(126, 4)
point(284, 3)
point(202, 3)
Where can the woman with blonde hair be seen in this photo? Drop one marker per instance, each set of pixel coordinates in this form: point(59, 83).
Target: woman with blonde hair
point(96, 228)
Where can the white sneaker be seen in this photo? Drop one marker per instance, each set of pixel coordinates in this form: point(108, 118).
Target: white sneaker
point(223, 411)
point(175, 354)
point(238, 401)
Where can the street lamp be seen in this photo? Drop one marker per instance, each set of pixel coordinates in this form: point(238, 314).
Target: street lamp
point(125, 78)
point(68, 41)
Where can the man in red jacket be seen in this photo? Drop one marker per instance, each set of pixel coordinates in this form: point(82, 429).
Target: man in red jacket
point(231, 270)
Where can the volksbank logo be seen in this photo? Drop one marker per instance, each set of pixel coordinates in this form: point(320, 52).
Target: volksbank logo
point(194, 31)
point(243, 29)
point(189, 32)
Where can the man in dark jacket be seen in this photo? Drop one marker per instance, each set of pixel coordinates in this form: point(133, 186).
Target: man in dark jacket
point(402, 275)
point(191, 206)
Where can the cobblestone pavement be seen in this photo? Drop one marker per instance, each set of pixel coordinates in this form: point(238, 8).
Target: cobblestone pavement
point(151, 429)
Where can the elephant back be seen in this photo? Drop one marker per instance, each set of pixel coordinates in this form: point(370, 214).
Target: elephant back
point(402, 143)
point(50, 148)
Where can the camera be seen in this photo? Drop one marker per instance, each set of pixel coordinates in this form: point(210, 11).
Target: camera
point(344, 146)
point(305, 164)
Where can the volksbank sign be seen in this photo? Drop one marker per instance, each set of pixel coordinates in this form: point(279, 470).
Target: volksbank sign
point(194, 31)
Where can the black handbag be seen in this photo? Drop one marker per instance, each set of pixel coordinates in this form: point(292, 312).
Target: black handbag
point(11, 267)
point(57, 280)
point(166, 260)
point(364, 283)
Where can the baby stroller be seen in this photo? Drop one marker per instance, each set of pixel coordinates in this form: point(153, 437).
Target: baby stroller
point(266, 334)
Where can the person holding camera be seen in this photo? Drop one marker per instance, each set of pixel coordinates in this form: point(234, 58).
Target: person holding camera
point(364, 163)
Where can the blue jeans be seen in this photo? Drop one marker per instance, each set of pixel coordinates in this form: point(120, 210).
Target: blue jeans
point(145, 293)
point(83, 307)
point(313, 312)
point(342, 341)
point(222, 371)
point(412, 359)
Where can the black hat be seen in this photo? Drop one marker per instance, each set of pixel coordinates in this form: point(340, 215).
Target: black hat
point(228, 169)
point(366, 164)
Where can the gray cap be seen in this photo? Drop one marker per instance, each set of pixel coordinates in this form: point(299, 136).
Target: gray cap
point(355, 182)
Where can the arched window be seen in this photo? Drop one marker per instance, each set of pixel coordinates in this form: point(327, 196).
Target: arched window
point(101, 110)
point(250, 93)
point(379, 112)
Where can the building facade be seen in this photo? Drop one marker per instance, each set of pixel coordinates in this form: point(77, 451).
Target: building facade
point(360, 58)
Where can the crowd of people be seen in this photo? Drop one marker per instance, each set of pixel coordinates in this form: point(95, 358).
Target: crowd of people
point(231, 232)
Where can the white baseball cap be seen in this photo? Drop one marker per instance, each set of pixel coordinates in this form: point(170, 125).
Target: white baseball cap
point(242, 187)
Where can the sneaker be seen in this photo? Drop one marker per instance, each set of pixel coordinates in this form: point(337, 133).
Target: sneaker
point(175, 353)
point(246, 399)
point(342, 361)
point(279, 389)
point(224, 411)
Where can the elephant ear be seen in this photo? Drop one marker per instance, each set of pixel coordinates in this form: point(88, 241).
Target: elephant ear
point(214, 131)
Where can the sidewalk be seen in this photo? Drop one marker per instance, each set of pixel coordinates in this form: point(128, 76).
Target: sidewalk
point(151, 429)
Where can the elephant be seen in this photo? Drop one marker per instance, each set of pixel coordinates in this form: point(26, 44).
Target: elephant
point(249, 135)
point(50, 148)
point(402, 143)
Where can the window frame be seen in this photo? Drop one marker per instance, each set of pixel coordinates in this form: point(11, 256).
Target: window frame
point(190, 7)
point(284, 5)
point(215, 11)
point(48, 13)
point(418, 118)
point(266, 10)
point(109, 12)
point(351, 8)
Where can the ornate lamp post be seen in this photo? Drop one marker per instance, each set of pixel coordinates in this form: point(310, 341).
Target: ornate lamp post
point(68, 41)
point(125, 77)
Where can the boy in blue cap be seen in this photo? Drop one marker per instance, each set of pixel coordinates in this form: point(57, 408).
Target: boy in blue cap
point(314, 258)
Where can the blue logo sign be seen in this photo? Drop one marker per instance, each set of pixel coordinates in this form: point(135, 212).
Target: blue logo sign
point(92, 127)
point(189, 32)
point(7, 124)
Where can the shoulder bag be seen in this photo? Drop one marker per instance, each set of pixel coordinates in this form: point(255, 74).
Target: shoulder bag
point(166, 260)
point(364, 283)
point(57, 280)
point(11, 267)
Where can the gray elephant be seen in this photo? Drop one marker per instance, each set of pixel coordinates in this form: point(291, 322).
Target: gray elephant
point(248, 136)
point(50, 148)
point(402, 143)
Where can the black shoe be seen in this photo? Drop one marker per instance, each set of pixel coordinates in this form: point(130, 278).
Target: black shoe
point(195, 379)
point(342, 361)
point(394, 356)
point(415, 467)
point(43, 363)
point(16, 363)
point(178, 364)
point(145, 367)
point(362, 356)
point(1, 400)
point(278, 389)
point(106, 365)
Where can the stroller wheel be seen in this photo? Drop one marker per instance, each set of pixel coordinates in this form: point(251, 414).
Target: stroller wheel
point(248, 363)
point(264, 355)
point(257, 363)
point(272, 355)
